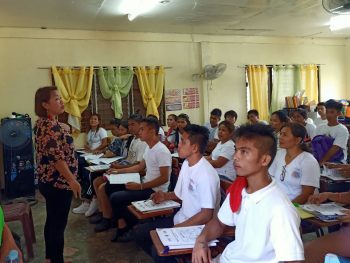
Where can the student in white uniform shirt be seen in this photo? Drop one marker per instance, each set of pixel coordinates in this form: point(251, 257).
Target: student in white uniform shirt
point(157, 164)
point(97, 136)
point(300, 116)
point(135, 155)
point(295, 170)
point(335, 130)
point(197, 187)
point(321, 110)
point(267, 224)
point(221, 157)
point(277, 120)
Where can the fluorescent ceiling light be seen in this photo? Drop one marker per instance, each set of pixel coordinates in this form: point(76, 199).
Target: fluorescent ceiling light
point(133, 8)
point(339, 22)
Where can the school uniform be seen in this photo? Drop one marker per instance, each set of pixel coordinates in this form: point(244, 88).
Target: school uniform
point(267, 228)
point(302, 170)
point(198, 187)
point(226, 150)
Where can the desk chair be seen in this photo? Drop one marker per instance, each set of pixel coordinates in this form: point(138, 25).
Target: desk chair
point(175, 171)
point(23, 213)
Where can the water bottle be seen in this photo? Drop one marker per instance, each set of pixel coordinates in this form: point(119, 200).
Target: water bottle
point(12, 257)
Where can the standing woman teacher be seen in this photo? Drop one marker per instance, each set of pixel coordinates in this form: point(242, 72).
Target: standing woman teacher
point(56, 167)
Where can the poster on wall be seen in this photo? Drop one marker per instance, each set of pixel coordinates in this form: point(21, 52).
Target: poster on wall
point(190, 98)
point(173, 100)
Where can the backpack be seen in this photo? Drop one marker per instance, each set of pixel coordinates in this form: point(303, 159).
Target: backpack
point(321, 144)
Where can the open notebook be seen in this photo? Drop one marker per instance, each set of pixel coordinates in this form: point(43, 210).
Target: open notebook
point(147, 206)
point(123, 178)
point(181, 237)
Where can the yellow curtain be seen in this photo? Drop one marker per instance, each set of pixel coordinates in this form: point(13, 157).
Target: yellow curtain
point(75, 88)
point(258, 89)
point(151, 83)
point(309, 81)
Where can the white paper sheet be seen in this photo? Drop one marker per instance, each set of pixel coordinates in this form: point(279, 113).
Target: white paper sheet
point(180, 236)
point(123, 178)
point(326, 209)
point(149, 206)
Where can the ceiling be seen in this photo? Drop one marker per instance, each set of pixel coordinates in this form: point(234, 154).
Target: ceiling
point(290, 18)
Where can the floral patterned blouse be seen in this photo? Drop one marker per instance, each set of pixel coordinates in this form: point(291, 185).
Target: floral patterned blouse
point(53, 143)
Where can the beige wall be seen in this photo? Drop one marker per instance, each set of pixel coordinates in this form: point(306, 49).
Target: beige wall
point(23, 51)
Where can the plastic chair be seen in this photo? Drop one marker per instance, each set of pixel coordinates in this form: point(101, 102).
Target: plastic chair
point(23, 213)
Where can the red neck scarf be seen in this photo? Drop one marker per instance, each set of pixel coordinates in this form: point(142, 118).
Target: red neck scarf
point(235, 191)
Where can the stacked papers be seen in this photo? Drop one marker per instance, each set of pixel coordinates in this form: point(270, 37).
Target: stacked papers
point(181, 237)
point(326, 212)
point(147, 206)
point(105, 160)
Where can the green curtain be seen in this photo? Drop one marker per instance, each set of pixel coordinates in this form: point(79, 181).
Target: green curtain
point(115, 84)
point(285, 82)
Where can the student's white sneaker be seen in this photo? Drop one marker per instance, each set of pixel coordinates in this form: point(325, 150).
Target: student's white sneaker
point(82, 208)
point(93, 208)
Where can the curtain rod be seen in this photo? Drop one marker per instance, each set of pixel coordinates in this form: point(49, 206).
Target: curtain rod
point(269, 65)
point(95, 67)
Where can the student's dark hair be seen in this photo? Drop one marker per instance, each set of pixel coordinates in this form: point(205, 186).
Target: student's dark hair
point(115, 121)
point(228, 125)
point(153, 123)
point(198, 135)
point(298, 131)
point(152, 116)
point(302, 112)
point(124, 124)
point(231, 113)
point(135, 117)
point(99, 120)
point(304, 107)
point(216, 112)
point(173, 116)
point(332, 104)
point(254, 112)
point(185, 117)
point(42, 95)
point(321, 104)
point(262, 135)
point(281, 116)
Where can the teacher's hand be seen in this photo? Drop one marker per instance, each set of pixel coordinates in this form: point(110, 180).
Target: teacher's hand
point(76, 188)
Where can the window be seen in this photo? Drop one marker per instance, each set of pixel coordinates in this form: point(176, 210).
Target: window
point(131, 104)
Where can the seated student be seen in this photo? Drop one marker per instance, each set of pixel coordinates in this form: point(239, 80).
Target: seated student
point(96, 142)
point(118, 147)
point(277, 120)
point(161, 132)
point(231, 116)
point(300, 116)
point(182, 121)
point(213, 127)
point(321, 110)
point(336, 242)
point(97, 136)
point(221, 157)
point(135, 154)
point(197, 187)
point(307, 109)
point(253, 117)
point(157, 163)
point(213, 124)
point(7, 243)
point(136, 147)
point(260, 236)
point(335, 130)
point(171, 133)
point(294, 169)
